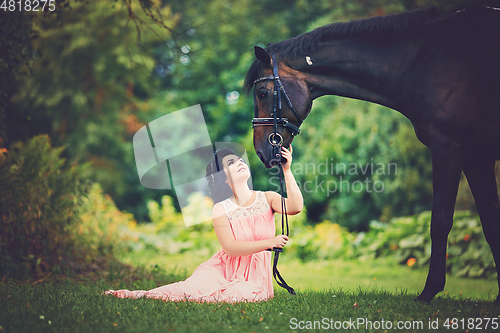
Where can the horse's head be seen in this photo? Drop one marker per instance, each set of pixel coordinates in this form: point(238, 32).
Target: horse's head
point(296, 103)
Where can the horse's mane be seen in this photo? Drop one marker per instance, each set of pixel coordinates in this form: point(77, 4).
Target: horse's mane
point(308, 42)
point(392, 24)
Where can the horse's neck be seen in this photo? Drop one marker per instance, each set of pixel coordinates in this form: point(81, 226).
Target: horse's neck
point(366, 68)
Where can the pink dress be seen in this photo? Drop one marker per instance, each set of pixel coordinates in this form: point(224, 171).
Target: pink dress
point(223, 278)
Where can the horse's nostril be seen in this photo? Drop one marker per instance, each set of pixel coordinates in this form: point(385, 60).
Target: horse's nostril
point(274, 161)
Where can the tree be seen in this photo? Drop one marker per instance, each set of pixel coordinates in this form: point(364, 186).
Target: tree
point(85, 88)
point(92, 85)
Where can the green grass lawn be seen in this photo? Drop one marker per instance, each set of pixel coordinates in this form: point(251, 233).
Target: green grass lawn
point(77, 307)
point(330, 293)
point(378, 274)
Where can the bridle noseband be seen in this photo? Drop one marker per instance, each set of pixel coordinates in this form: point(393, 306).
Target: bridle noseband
point(277, 114)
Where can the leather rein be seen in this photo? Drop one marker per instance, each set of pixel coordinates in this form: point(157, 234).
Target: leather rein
point(276, 140)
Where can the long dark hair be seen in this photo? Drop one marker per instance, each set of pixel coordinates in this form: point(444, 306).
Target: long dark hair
point(216, 177)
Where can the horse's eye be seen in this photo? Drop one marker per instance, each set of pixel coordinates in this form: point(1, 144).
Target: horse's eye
point(263, 94)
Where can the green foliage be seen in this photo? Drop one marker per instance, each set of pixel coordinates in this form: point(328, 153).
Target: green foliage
point(221, 45)
point(88, 87)
point(407, 240)
point(327, 240)
point(16, 34)
point(165, 218)
point(95, 80)
point(324, 240)
point(101, 226)
point(373, 165)
point(220, 49)
point(50, 220)
point(167, 233)
point(38, 208)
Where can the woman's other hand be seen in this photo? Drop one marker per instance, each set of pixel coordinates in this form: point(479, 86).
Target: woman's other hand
point(279, 241)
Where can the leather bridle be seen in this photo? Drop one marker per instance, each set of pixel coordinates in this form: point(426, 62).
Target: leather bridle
point(277, 113)
point(276, 140)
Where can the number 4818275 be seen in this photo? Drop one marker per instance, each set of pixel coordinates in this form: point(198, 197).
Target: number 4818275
point(28, 5)
point(471, 323)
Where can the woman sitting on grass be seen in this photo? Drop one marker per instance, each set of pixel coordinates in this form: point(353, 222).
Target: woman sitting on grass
point(243, 220)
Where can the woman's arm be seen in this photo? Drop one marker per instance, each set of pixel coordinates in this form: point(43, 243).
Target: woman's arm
point(294, 201)
point(234, 248)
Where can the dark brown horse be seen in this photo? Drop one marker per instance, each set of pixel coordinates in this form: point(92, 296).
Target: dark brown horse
point(441, 71)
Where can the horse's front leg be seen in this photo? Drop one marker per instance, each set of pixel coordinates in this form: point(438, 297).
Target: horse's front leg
point(447, 158)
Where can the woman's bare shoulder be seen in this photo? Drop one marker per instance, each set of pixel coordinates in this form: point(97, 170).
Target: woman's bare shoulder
point(271, 195)
point(218, 209)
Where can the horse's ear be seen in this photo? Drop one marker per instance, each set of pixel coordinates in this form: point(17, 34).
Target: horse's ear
point(262, 55)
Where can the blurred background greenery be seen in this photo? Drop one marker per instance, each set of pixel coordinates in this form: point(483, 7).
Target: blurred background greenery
point(76, 85)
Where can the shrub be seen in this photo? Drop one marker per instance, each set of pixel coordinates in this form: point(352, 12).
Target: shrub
point(167, 233)
point(38, 207)
point(326, 240)
point(407, 240)
point(101, 227)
